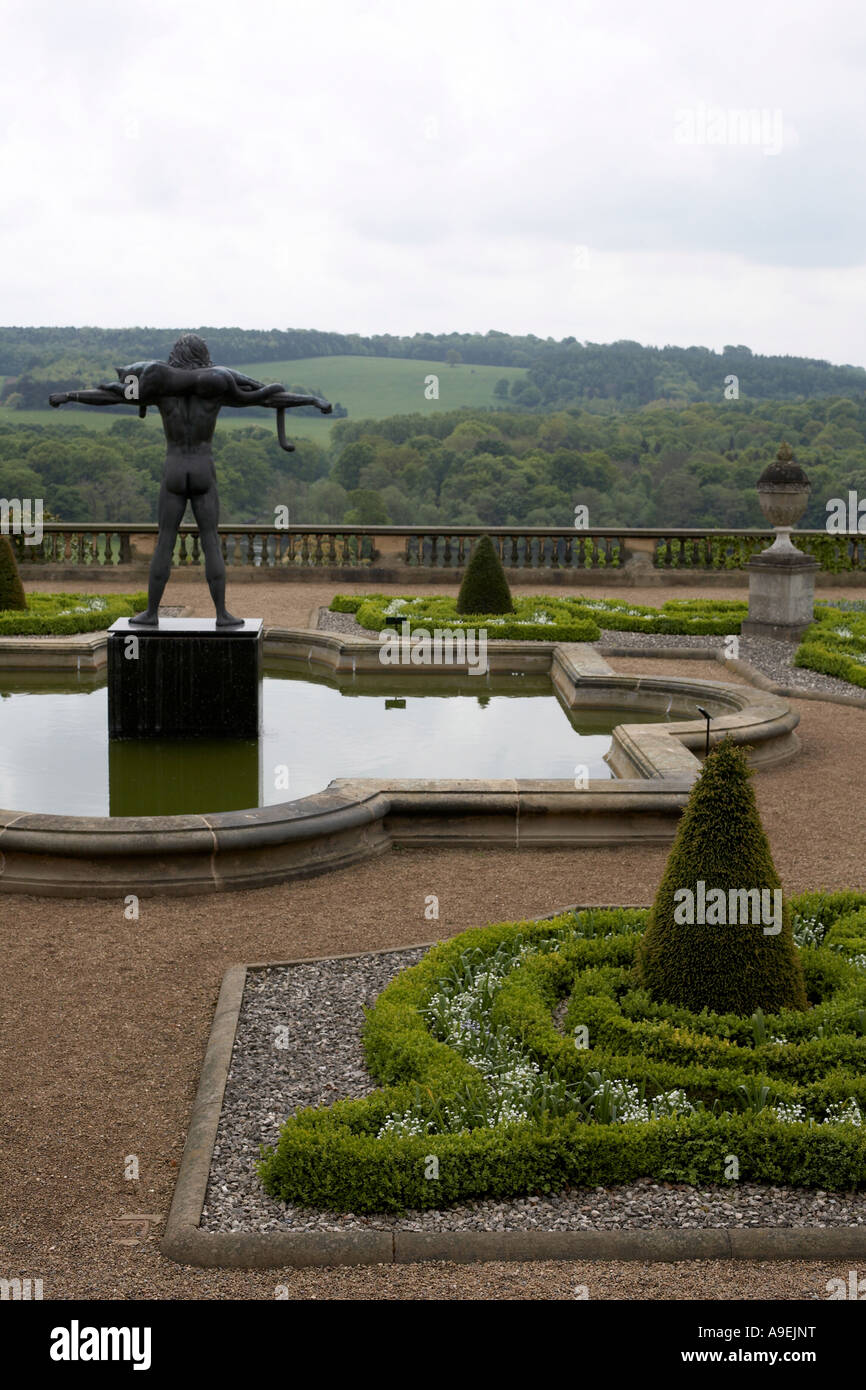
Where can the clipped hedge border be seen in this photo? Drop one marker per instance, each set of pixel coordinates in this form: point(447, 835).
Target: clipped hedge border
point(578, 619)
point(564, 626)
point(816, 657)
point(706, 1054)
point(332, 1158)
point(34, 623)
point(826, 650)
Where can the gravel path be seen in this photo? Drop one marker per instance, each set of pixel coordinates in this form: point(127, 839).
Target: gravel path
point(320, 1007)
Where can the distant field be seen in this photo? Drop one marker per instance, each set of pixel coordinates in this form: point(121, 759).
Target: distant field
point(373, 387)
point(369, 388)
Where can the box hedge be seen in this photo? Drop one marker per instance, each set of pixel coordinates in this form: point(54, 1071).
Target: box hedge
point(333, 1158)
point(577, 618)
point(835, 644)
point(721, 843)
point(11, 589)
point(67, 614)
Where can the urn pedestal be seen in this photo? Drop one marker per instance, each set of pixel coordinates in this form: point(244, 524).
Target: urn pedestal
point(781, 594)
point(781, 578)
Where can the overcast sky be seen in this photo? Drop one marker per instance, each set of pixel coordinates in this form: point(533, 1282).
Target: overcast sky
point(554, 168)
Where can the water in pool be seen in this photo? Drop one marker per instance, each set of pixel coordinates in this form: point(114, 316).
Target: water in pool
point(55, 754)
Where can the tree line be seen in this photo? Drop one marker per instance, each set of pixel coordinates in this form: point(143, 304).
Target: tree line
point(35, 361)
point(695, 465)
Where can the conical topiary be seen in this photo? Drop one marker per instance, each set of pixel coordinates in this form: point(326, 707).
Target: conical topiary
point(711, 961)
point(11, 588)
point(484, 588)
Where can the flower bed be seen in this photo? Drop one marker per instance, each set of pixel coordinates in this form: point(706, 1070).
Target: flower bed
point(835, 644)
point(560, 619)
point(522, 1057)
point(64, 614)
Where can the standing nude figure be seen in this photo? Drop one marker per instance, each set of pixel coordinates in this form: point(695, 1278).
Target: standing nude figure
point(189, 392)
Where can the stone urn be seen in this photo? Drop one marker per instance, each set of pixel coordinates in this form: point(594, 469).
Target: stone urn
point(783, 494)
point(781, 578)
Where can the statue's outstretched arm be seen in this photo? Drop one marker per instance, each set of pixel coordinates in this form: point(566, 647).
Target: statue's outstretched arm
point(254, 392)
point(101, 396)
point(284, 400)
point(258, 393)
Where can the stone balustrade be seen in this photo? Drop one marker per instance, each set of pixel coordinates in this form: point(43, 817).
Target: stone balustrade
point(67, 547)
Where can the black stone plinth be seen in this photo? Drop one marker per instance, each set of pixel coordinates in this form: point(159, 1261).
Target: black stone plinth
point(186, 678)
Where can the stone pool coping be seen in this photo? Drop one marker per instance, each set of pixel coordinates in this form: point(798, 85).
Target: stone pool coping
point(186, 1243)
point(352, 819)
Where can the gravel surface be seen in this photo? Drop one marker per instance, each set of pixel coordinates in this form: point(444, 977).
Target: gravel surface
point(343, 622)
point(106, 1021)
point(319, 1060)
point(772, 658)
point(320, 1005)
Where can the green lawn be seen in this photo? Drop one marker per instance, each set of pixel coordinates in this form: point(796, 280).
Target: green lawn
point(369, 388)
point(375, 387)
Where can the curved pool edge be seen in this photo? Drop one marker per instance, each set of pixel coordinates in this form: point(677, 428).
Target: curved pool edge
point(353, 819)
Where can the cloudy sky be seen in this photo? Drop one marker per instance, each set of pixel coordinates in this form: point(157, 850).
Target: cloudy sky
point(565, 167)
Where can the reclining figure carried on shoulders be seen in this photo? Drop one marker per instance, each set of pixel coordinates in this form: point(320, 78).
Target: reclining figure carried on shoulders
point(189, 392)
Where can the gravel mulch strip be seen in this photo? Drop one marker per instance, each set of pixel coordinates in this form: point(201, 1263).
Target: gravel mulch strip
point(320, 1004)
point(343, 622)
point(772, 658)
point(647, 641)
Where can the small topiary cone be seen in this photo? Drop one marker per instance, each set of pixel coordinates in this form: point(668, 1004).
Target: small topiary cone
point(11, 588)
point(484, 588)
point(725, 968)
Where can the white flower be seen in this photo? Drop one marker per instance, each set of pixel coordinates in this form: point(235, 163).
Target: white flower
point(844, 1112)
point(789, 1112)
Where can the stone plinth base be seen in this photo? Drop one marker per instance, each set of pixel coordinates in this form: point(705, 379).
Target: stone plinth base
point(186, 678)
point(781, 594)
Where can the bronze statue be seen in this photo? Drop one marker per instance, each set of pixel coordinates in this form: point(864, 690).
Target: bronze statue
point(189, 392)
